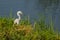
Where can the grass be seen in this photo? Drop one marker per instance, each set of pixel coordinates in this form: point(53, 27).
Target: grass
point(26, 31)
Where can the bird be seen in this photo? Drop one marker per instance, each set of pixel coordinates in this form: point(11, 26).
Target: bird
point(17, 20)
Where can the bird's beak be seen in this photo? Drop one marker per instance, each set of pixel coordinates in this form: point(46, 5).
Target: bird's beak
point(21, 13)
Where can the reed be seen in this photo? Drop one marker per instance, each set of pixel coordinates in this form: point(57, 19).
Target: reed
point(26, 31)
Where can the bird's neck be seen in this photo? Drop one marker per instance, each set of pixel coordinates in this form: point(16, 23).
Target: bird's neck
point(19, 17)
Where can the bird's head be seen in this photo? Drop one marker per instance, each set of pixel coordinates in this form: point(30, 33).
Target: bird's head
point(19, 12)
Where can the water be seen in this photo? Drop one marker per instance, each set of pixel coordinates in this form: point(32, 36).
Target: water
point(32, 8)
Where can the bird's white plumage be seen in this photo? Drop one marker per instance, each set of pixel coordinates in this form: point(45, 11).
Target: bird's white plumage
point(19, 12)
point(16, 21)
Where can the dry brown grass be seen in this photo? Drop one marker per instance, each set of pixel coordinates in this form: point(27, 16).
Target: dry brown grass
point(58, 37)
point(26, 28)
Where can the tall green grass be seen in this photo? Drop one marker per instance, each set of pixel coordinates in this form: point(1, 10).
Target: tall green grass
point(26, 31)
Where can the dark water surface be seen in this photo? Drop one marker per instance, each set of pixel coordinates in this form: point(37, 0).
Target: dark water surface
point(32, 8)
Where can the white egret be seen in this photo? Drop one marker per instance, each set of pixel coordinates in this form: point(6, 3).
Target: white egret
point(16, 21)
